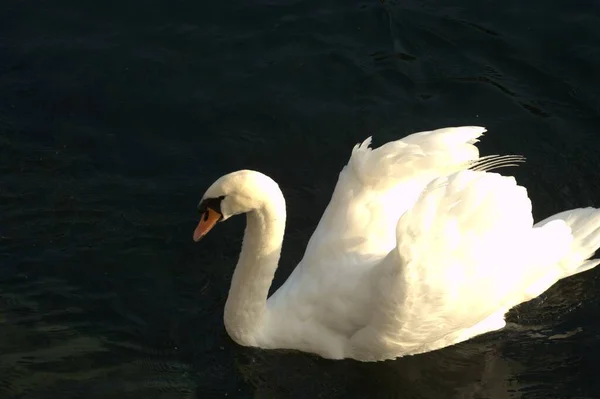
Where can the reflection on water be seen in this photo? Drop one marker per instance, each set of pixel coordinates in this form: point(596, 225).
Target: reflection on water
point(474, 371)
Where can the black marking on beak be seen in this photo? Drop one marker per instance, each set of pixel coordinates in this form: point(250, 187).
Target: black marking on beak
point(212, 203)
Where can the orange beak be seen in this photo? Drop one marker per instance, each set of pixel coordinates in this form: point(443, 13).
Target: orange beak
point(209, 219)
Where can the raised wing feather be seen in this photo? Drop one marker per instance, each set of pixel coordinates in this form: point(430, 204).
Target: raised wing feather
point(377, 186)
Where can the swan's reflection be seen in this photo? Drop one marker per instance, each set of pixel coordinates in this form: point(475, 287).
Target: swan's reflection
point(475, 369)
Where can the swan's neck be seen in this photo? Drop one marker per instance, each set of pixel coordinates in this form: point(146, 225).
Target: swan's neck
point(246, 307)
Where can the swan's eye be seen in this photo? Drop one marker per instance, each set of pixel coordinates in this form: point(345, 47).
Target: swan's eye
point(211, 203)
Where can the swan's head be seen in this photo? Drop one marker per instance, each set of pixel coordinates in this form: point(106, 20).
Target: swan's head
point(234, 193)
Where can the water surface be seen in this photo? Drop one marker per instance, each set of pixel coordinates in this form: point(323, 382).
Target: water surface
point(116, 116)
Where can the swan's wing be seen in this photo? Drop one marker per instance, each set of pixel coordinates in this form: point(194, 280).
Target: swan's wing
point(358, 226)
point(378, 185)
point(329, 288)
point(465, 251)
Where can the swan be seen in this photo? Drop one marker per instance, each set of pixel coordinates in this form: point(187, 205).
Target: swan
point(421, 247)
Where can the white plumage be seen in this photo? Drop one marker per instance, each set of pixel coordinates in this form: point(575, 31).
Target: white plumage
point(420, 247)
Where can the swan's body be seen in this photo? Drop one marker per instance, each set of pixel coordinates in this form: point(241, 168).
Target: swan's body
point(416, 251)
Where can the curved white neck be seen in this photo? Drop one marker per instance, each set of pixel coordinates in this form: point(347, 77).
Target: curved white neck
point(246, 306)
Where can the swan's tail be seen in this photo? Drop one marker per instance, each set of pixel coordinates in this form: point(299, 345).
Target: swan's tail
point(585, 229)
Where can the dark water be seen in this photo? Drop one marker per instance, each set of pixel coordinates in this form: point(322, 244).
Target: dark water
point(115, 117)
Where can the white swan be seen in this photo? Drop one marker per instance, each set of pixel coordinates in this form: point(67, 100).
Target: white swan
point(419, 248)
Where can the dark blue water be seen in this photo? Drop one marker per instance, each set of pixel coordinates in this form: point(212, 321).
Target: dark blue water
point(116, 116)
